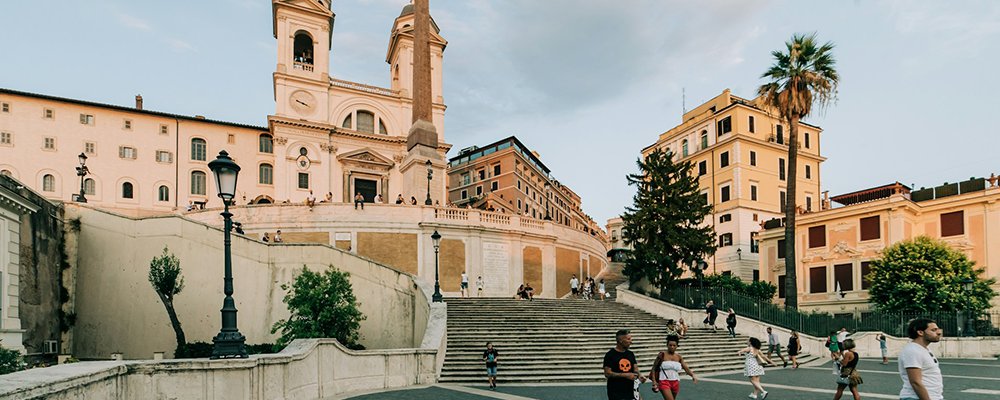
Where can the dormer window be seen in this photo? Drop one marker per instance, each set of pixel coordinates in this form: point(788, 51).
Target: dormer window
point(302, 51)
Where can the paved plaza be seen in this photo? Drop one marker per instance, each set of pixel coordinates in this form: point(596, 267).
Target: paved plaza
point(964, 379)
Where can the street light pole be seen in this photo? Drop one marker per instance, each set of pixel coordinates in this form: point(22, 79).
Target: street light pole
point(547, 202)
point(970, 325)
point(436, 297)
point(430, 174)
point(229, 342)
point(82, 171)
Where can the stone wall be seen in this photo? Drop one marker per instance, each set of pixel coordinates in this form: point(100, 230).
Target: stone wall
point(118, 311)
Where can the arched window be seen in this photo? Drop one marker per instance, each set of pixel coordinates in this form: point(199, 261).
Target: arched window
point(127, 189)
point(266, 144)
point(704, 139)
point(684, 148)
point(366, 121)
point(6, 172)
point(381, 128)
point(266, 174)
point(303, 50)
point(198, 149)
point(198, 183)
point(163, 193)
point(348, 122)
point(89, 187)
point(48, 183)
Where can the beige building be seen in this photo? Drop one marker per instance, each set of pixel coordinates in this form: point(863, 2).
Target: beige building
point(739, 151)
point(835, 245)
point(505, 176)
point(326, 135)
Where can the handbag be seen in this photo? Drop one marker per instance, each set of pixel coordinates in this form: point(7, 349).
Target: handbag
point(844, 380)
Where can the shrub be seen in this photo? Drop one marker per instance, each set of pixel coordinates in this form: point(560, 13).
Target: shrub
point(10, 361)
point(322, 305)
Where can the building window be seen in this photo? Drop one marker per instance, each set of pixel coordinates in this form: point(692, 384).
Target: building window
point(482, 174)
point(781, 286)
point(89, 147)
point(89, 186)
point(781, 134)
point(348, 122)
point(366, 121)
point(48, 183)
point(466, 179)
point(5, 107)
point(494, 186)
point(50, 143)
point(265, 143)
point(809, 203)
point(465, 194)
point(724, 159)
point(817, 236)
point(126, 124)
point(702, 168)
point(381, 128)
point(866, 269)
point(725, 125)
point(265, 174)
point(127, 190)
point(163, 193)
point(6, 138)
point(303, 180)
point(704, 139)
point(753, 158)
point(781, 168)
point(164, 130)
point(684, 148)
point(87, 119)
point(781, 248)
point(807, 139)
point(479, 190)
point(725, 239)
point(843, 275)
point(753, 192)
point(518, 204)
point(725, 218)
point(303, 151)
point(704, 197)
point(817, 280)
point(518, 185)
point(496, 170)
point(756, 275)
point(198, 149)
point(953, 223)
point(724, 194)
point(126, 152)
point(231, 139)
point(808, 172)
point(870, 228)
point(198, 183)
point(750, 124)
point(782, 200)
point(754, 243)
point(164, 156)
point(48, 113)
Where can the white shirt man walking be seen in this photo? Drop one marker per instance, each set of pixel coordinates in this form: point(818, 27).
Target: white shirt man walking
point(918, 368)
point(574, 285)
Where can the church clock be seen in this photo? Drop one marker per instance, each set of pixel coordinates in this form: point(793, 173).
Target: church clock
point(303, 102)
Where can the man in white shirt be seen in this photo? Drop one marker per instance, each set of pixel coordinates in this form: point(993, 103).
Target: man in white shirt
point(574, 285)
point(465, 284)
point(841, 337)
point(918, 368)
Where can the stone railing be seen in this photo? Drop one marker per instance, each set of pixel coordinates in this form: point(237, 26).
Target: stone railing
point(362, 87)
point(451, 214)
point(303, 66)
point(532, 223)
point(494, 218)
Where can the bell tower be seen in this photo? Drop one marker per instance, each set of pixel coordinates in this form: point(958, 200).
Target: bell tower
point(400, 54)
point(303, 29)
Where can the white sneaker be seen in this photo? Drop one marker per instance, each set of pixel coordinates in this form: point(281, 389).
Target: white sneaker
point(763, 396)
point(752, 396)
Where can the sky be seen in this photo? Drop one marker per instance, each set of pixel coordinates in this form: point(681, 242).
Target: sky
point(585, 83)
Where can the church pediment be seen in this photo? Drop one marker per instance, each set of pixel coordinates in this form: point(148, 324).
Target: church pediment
point(367, 158)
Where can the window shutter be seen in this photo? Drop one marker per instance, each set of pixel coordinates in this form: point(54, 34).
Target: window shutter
point(817, 236)
point(870, 228)
point(953, 223)
point(844, 274)
point(817, 280)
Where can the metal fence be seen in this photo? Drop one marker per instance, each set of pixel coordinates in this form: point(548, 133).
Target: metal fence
point(954, 323)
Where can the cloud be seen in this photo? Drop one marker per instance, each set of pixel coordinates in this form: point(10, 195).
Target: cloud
point(133, 22)
point(179, 45)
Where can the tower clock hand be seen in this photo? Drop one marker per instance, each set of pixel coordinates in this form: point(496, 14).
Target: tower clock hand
point(301, 102)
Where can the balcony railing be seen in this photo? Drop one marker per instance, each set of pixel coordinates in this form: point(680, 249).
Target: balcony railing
point(362, 87)
point(303, 66)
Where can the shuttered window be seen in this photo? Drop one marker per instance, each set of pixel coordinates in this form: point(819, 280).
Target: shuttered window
point(870, 228)
point(817, 236)
point(844, 275)
point(866, 269)
point(817, 280)
point(781, 248)
point(953, 223)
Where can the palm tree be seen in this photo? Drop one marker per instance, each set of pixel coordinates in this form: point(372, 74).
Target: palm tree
point(803, 75)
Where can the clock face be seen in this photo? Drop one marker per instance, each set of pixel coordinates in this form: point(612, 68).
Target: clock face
point(303, 102)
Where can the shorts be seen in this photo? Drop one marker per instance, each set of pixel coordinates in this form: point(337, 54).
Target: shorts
point(775, 348)
point(885, 353)
point(576, 291)
point(673, 386)
point(491, 371)
point(465, 285)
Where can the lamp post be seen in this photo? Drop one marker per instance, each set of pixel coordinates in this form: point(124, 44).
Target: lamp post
point(436, 297)
point(547, 202)
point(430, 174)
point(739, 253)
point(970, 329)
point(229, 343)
point(699, 268)
point(82, 171)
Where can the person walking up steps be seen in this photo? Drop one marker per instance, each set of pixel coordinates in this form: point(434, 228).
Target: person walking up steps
point(621, 369)
point(753, 369)
point(849, 376)
point(666, 370)
point(794, 348)
point(918, 368)
point(601, 289)
point(774, 345)
point(711, 313)
point(491, 356)
point(479, 286)
point(731, 323)
point(574, 285)
point(465, 284)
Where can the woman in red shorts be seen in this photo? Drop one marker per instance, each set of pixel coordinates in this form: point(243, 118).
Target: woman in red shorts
point(666, 370)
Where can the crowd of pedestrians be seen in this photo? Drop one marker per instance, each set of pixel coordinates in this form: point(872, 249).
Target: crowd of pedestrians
point(589, 290)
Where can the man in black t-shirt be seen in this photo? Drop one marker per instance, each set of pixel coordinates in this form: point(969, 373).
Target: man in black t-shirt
point(711, 313)
point(491, 356)
point(621, 369)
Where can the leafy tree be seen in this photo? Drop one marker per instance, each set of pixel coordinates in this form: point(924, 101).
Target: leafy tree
point(756, 289)
point(664, 225)
point(925, 274)
point(322, 305)
point(803, 75)
point(165, 276)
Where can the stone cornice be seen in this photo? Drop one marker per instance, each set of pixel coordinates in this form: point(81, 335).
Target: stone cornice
point(9, 198)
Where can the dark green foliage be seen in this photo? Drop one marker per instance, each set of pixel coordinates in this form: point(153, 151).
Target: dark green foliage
point(923, 275)
point(10, 361)
point(322, 305)
point(757, 290)
point(664, 224)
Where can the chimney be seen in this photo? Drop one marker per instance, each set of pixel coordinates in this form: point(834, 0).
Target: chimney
point(138, 102)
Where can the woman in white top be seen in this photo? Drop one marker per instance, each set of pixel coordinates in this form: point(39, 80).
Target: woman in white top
point(666, 370)
point(753, 368)
point(601, 290)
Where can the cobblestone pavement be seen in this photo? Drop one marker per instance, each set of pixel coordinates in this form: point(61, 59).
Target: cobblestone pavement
point(965, 379)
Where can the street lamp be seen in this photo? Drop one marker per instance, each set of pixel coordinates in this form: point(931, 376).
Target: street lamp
point(437, 297)
point(430, 174)
point(229, 343)
point(969, 318)
point(699, 268)
point(547, 202)
point(82, 171)
point(739, 253)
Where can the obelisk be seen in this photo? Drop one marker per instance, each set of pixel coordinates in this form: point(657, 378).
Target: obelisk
point(422, 138)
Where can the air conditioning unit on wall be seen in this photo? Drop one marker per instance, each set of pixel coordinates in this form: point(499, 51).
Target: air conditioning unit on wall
point(51, 347)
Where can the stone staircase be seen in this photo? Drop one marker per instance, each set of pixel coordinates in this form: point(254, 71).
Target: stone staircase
point(564, 340)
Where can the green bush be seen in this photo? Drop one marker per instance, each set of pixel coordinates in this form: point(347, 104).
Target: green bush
point(10, 361)
point(757, 289)
point(322, 305)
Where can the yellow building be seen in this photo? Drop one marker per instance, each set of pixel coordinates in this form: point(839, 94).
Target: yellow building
point(836, 245)
point(739, 151)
